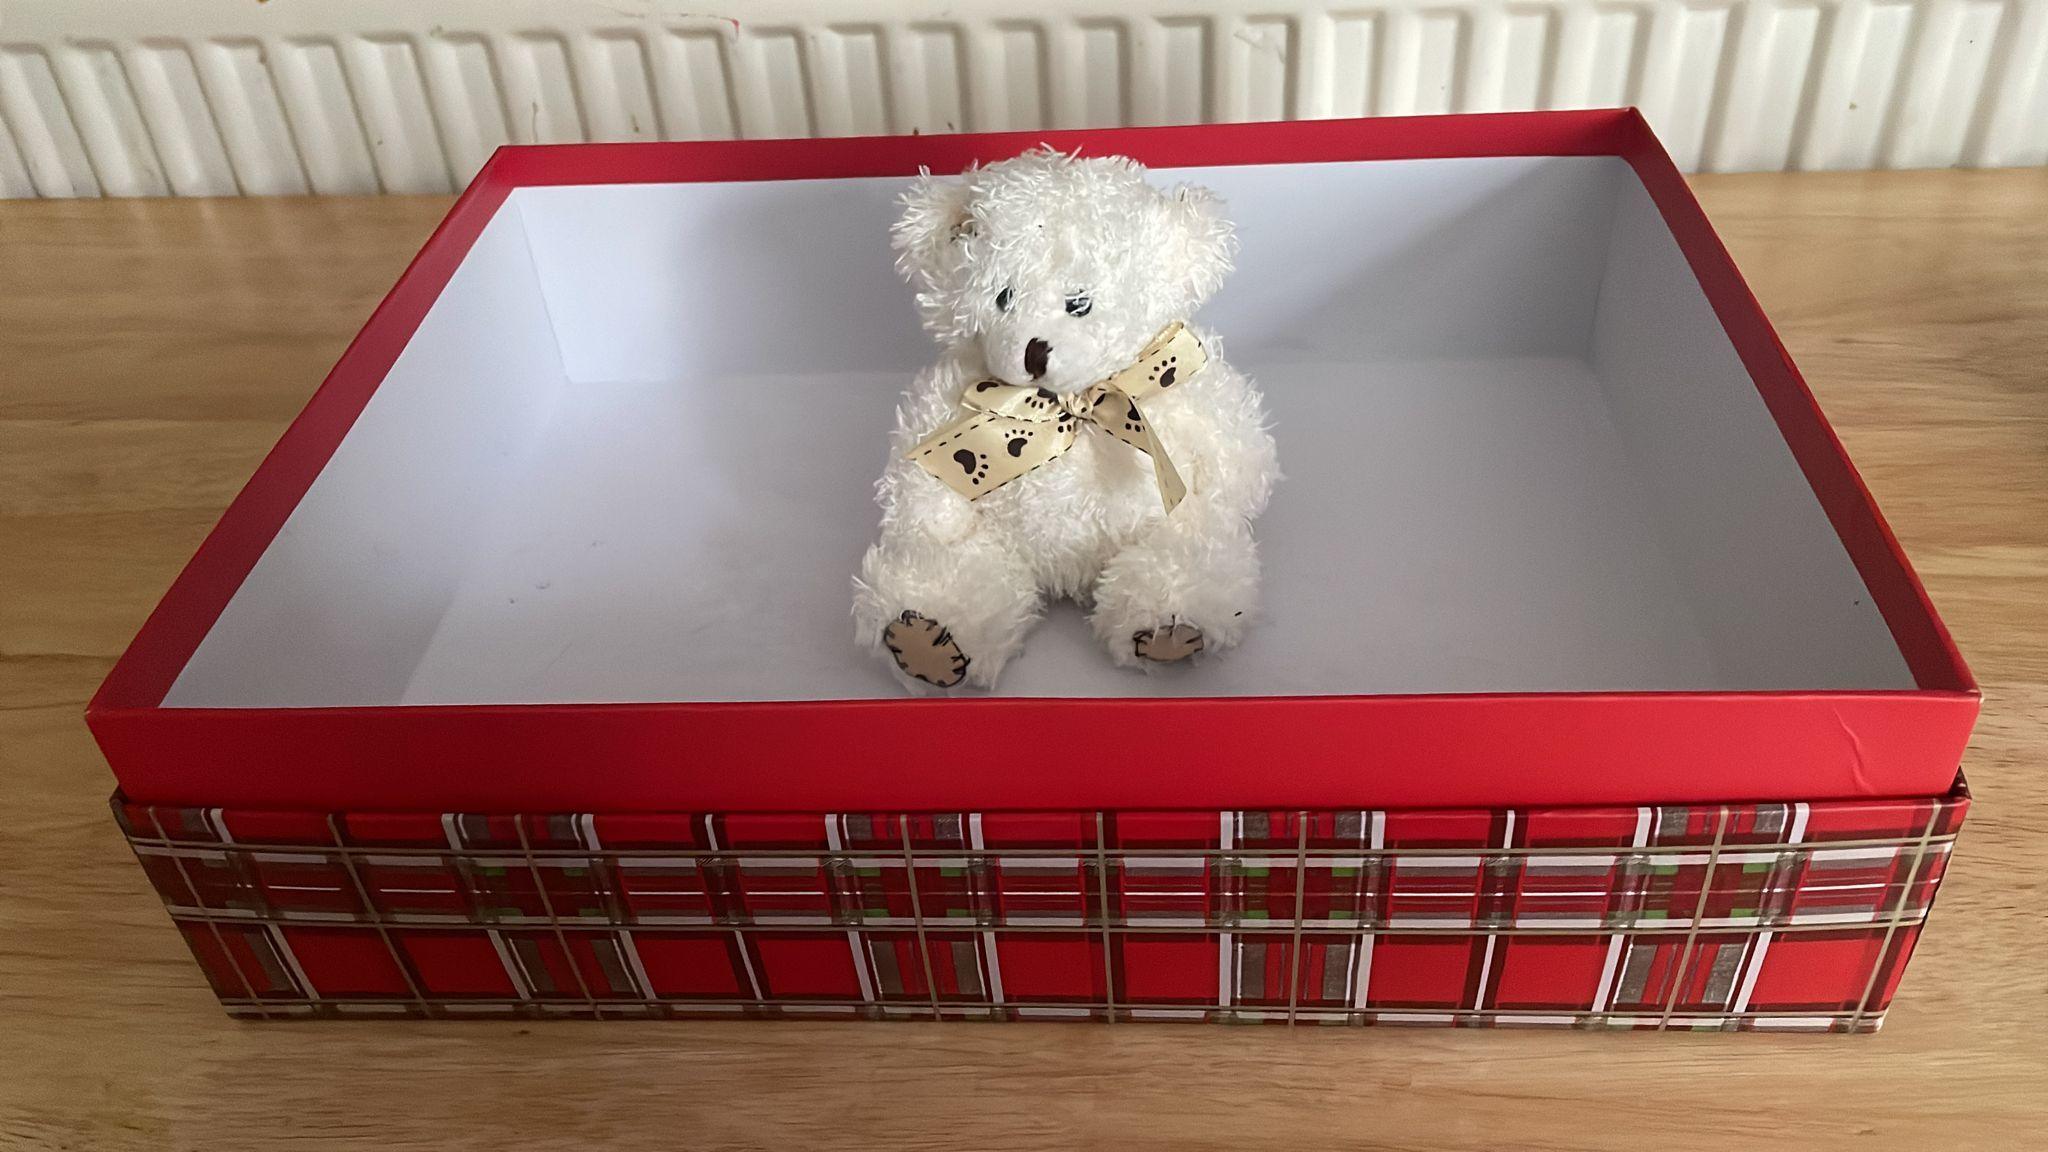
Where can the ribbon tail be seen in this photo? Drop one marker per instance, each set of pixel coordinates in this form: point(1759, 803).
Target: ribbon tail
point(1172, 490)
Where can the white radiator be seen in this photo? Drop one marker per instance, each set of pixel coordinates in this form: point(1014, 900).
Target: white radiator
point(226, 97)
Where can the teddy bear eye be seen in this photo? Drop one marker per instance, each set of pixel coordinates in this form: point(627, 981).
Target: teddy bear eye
point(1005, 300)
point(1079, 304)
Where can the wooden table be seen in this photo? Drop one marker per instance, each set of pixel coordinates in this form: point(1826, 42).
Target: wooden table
point(150, 352)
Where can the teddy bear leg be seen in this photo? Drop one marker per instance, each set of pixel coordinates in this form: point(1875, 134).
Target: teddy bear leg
point(1188, 586)
point(943, 614)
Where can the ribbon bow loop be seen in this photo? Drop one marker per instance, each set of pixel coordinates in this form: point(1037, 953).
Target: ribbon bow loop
point(1010, 430)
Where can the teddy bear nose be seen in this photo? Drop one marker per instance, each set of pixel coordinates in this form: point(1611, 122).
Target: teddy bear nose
point(1035, 354)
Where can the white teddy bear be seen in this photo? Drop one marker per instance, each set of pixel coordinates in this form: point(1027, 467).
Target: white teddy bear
point(1046, 453)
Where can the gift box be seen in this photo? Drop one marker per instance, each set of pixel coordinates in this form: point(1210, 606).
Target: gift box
point(1592, 687)
point(1726, 917)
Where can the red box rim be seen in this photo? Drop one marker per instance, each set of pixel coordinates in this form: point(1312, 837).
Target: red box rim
point(1487, 749)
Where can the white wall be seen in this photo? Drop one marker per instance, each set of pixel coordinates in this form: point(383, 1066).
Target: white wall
point(220, 97)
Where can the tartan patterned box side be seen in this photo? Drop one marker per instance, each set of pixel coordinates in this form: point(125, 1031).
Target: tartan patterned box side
point(1734, 917)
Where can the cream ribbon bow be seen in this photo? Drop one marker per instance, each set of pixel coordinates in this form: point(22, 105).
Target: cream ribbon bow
point(1011, 429)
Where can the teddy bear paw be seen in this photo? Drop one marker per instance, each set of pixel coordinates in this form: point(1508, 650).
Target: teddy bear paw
point(1167, 645)
point(925, 650)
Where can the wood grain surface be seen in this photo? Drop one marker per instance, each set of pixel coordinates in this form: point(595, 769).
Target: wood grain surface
point(150, 352)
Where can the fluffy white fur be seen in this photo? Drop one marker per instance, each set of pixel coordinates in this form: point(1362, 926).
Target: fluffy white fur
point(1089, 525)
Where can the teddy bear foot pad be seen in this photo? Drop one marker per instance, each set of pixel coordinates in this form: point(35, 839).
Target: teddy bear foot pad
point(1167, 645)
point(925, 650)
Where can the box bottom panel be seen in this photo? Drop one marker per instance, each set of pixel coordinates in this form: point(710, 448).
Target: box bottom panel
point(1865, 1022)
point(1764, 917)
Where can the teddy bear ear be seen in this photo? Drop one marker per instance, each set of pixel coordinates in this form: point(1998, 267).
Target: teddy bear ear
point(934, 217)
point(1206, 239)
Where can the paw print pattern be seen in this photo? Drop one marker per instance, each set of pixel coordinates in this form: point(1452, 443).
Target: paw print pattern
point(1163, 373)
point(1133, 422)
point(1042, 400)
point(1020, 439)
point(925, 650)
point(1168, 645)
point(973, 463)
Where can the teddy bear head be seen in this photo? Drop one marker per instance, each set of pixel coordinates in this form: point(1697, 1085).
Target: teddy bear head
point(1057, 268)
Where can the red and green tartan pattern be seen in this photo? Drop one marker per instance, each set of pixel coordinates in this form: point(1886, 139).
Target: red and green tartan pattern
point(1747, 917)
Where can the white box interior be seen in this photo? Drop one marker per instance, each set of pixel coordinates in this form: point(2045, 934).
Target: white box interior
point(628, 456)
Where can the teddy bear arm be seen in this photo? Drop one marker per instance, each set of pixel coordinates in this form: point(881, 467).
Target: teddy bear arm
point(1196, 570)
point(1216, 434)
point(913, 499)
point(1229, 472)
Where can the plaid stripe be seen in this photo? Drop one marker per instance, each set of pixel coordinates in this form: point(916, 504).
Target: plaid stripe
point(1755, 917)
